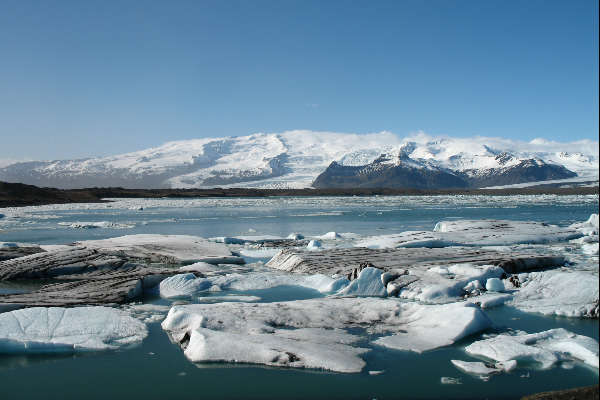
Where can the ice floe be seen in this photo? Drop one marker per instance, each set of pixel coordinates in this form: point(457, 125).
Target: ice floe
point(543, 349)
point(55, 329)
point(475, 233)
point(311, 333)
point(165, 248)
point(569, 293)
point(483, 370)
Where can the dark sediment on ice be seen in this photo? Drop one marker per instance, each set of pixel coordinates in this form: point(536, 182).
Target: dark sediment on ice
point(349, 261)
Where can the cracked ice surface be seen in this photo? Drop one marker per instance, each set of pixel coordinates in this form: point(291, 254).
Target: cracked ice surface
point(56, 330)
point(311, 333)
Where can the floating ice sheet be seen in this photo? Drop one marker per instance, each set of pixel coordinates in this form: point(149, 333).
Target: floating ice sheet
point(57, 330)
point(543, 349)
point(569, 293)
point(311, 333)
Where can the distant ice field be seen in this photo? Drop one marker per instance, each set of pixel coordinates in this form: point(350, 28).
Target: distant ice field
point(311, 216)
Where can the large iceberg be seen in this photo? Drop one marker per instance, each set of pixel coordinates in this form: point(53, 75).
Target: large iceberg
point(56, 329)
point(311, 333)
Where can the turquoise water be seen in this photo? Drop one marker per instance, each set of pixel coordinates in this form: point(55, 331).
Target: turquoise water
point(157, 369)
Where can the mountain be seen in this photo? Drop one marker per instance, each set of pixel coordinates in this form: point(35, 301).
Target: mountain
point(296, 159)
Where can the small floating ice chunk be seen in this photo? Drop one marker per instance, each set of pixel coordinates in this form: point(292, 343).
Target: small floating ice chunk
point(58, 330)
point(295, 236)
point(448, 380)
point(544, 348)
point(376, 372)
point(368, 283)
point(494, 285)
point(475, 368)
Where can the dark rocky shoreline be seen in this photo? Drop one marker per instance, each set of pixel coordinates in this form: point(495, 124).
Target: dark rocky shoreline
point(19, 195)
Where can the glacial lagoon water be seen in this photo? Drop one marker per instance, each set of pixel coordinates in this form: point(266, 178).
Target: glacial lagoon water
point(157, 368)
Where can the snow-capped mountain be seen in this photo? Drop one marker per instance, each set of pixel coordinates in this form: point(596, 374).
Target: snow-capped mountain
point(294, 159)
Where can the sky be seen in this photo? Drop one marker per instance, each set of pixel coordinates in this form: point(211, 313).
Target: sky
point(91, 78)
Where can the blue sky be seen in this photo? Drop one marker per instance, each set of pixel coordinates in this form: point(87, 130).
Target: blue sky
point(81, 78)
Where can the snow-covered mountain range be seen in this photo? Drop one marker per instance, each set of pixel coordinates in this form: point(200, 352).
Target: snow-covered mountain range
point(294, 159)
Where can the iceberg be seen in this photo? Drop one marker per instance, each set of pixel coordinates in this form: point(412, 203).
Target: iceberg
point(312, 333)
point(569, 293)
point(58, 330)
point(368, 283)
point(543, 349)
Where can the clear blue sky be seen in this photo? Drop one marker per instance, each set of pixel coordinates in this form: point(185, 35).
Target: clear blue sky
point(80, 78)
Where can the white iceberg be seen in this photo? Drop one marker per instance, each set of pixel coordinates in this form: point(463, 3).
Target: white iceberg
point(483, 370)
point(56, 330)
point(445, 284)
point(368, 283)
point(543, 349)
point(589, 227)
point(311, 333)
point(569, 293)
point(494, 285)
